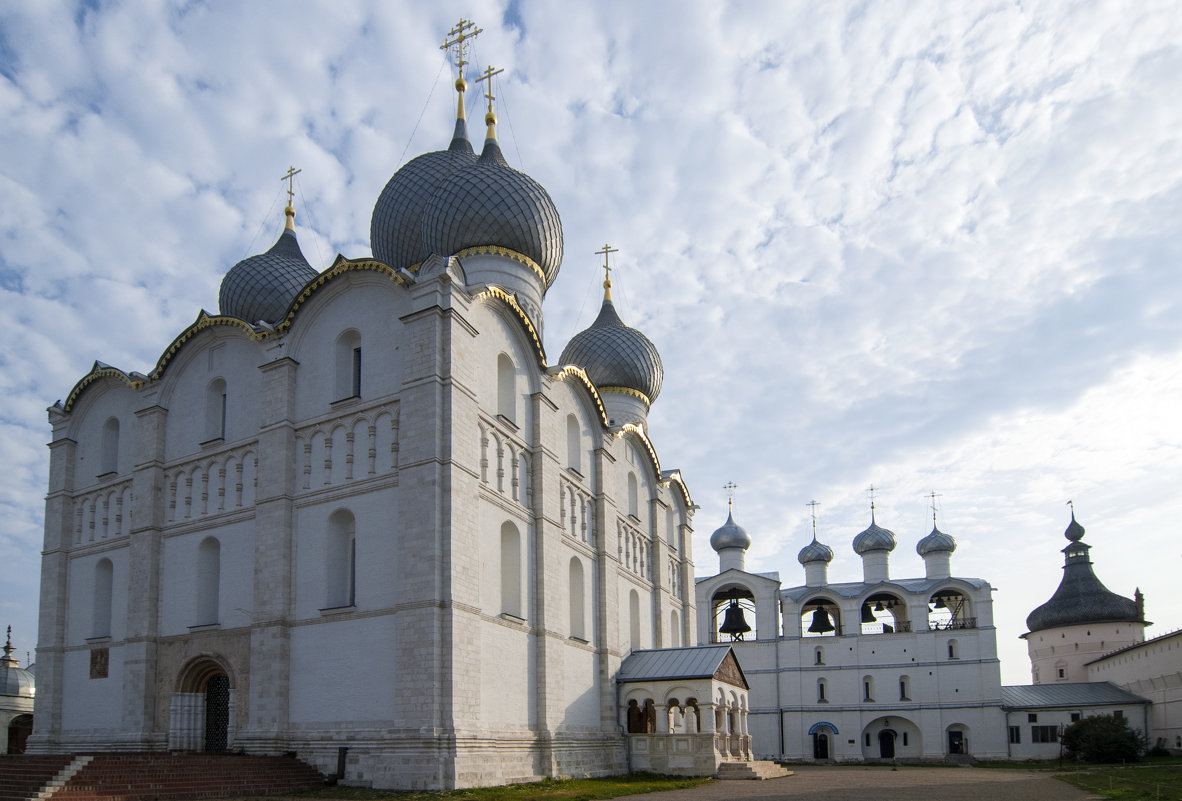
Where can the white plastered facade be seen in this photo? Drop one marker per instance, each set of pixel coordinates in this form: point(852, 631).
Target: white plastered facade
point(440, 573)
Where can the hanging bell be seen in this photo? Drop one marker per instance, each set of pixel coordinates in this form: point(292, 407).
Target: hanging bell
point(867, 615)
point(939, 604)
point(733, 623)
point(879, 607)
point(821, 622)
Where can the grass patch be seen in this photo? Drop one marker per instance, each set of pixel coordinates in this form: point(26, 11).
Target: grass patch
point(1152, 778)
point(547, 790)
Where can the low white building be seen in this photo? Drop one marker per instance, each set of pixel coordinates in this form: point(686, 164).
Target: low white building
point(1036, 714)
point(881, 668)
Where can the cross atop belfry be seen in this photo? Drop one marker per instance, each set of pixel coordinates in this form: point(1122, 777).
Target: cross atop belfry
point(457, 41)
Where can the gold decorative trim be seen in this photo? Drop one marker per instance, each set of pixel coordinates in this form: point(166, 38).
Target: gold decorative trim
point(511, 302)
point(578, 372)
point(338, 268)
point(673, 476)
point(98, 372)
point(204, 320)
point(628, 391)
point(497, 250)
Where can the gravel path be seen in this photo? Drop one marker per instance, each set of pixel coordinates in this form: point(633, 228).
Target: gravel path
point(886, 784)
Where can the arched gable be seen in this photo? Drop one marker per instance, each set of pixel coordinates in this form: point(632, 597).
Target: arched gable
point(339, 267)
point(672, 477)
point(203, 322)
point(99, 372)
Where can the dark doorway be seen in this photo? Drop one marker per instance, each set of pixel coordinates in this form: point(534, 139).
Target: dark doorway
point(886, 744)
point(820, 746)
point(956, 742)
point(217, 712)
point(18, 732)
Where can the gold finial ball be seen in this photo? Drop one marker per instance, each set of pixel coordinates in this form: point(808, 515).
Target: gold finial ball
point(490, 119)
point(461, 84)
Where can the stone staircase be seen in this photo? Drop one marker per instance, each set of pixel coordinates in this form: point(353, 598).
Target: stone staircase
point(22, 777)
point(758, 769)
point(148, 777)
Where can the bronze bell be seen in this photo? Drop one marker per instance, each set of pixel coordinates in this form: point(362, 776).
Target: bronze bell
point(821, 622)
point(733, 623)
point(868, 614)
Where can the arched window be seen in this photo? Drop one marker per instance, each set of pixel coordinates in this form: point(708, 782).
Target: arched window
point(506, 388)
point(674, 630)
point(904, 688)
point(109, 460)
point(103, 583)
point(633, 496)
point(953, 649)
point(821, 697)
point(670, 528)
point(868, 688)
point(209, 576)
point(818, 656)
point(634, 620)
point(574, 444)
point(577, 603)
point(215, 410)
point(341, 560)
point(348, 364)
point(511, 571)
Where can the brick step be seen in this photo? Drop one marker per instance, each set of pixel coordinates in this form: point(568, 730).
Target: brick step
point(757, 769)
point(147, 777)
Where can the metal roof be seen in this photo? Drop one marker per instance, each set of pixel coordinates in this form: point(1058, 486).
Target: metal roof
point(1100, 693)
point(616, 355)
point(854, 589)
point(666, 664)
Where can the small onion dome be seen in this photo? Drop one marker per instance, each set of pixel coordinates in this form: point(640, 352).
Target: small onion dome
point(815, 552)
point(487, 202)
point(616, 356)
point(262, 287)
point(14, 680)
point(730, 535)
point(1074, 530)
point(936, 541)
point(875, 538)
point(396, 227)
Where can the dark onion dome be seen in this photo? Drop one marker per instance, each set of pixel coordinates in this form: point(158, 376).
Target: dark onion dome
point(936, 541)
point(262, 287)
point(14, 680)
point(730, 535)
point(615, 356)
point(1081, 597)
point(490, 203)
point(815, 552)
point(875, 538)
point(396, 227)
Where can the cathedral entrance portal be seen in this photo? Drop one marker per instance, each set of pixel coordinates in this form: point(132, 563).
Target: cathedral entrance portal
point(886, 744)
point(201, 712)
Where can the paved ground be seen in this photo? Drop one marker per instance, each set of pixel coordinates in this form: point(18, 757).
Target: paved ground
point(886, 784)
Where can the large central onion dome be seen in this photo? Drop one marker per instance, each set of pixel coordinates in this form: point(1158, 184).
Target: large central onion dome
point(262, 287)
point(447, 201)
point(490, 203)
point(396, 227)
point(615, 356)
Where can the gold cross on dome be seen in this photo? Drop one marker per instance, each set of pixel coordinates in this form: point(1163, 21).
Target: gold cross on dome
point(292, 172)
point(607, 267)
point(487, 75)
point(457, 40)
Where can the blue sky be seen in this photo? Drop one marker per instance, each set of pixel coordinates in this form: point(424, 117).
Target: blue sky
point(927, 246)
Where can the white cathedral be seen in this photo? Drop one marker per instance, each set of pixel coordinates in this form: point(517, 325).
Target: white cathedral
point(359, 516)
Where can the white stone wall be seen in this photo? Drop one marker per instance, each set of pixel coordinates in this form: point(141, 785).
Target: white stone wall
point(1151, 670)
point(1060, 654)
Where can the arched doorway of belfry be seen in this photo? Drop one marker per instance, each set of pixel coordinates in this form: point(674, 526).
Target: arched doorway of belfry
point(201, 712)
point(824, 736)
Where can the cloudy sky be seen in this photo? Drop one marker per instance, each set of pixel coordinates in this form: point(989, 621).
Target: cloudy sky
point(924, 246)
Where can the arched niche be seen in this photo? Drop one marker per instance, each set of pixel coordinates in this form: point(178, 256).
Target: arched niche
point(820, 617)
point(732, 607)
point(883, 613)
